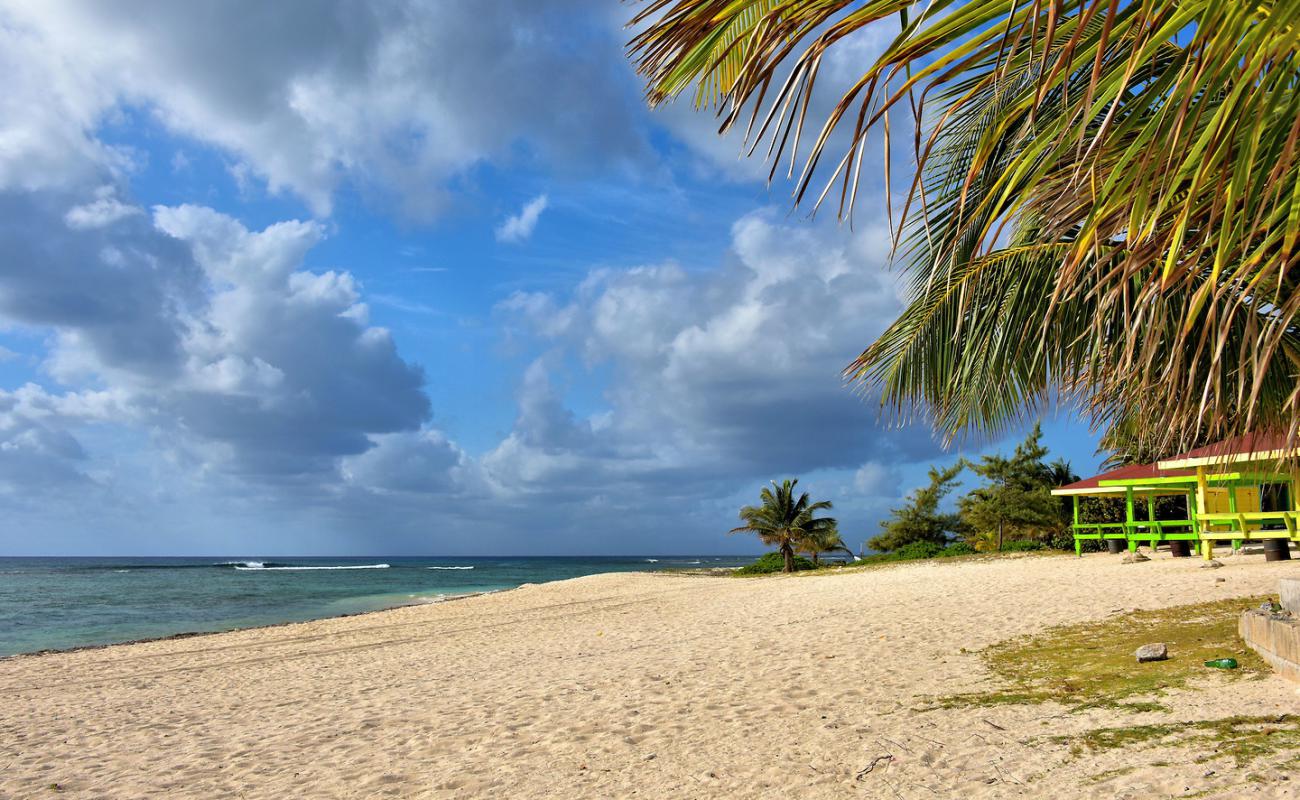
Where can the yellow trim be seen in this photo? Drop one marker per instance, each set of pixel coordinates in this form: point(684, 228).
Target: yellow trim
point(1230, 458)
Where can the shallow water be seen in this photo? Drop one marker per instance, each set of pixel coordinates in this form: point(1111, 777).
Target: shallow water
point(57, 603)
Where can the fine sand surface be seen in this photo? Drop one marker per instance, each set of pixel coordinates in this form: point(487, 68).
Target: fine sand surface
point(623, 685)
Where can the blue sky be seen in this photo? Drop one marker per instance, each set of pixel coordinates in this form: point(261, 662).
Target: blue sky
point(332, 278)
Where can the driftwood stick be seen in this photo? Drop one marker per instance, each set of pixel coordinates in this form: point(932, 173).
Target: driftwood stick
point(875, 762)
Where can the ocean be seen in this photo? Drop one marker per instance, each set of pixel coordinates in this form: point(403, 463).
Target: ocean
point(59, 603)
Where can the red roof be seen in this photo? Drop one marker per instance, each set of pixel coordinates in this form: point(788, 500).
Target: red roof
point(1237, 445)
point(1133, 472)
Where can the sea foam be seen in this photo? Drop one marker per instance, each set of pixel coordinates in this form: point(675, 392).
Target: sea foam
point(249, 567)
point(449, 567)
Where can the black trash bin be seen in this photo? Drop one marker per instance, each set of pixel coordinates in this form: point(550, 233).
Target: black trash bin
point(1114, 545)
point(1179, 548)
point(1277, 550)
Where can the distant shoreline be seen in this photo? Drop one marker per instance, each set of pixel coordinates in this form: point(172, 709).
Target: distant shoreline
point(265, 626)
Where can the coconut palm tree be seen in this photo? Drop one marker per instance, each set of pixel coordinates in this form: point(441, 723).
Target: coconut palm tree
point(1105, 207)
point(783, 522)
point(826, 540)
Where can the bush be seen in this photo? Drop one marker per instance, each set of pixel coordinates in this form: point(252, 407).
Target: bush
point(1062, 539)
point(1022, 546)
point(774, 562)
point(908, 552)
point(915, 550)
point(956, 549)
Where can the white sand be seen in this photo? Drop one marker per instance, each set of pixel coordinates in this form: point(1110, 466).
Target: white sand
point(628, 685)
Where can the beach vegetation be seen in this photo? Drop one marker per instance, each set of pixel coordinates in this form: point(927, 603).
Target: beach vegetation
point(1101, 209)
point(955, 549)
point(1015, 501)
point(1012, 510)
point(920, 519)
point(1091, 664)
point(1244, 739)
point(783, 521)
point(769, 563)
point(825, 540)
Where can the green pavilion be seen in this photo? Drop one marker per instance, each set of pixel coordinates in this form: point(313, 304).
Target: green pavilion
point(1234, 491)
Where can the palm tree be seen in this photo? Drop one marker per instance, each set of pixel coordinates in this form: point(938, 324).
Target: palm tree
point(826, 540)
point(785, 523)
point(1105, 206)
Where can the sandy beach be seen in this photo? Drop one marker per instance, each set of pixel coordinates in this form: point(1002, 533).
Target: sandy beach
point(631, 685)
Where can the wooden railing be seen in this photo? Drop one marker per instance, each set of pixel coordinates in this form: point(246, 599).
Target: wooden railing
point(1250, 525)
point(1100, 530)
point(1140, 529)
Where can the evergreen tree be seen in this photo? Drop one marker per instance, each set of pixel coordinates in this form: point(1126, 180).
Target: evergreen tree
point(920, 520)
point(1016, 499)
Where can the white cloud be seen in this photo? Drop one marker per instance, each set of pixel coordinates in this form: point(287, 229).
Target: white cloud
point(207, 333)
point(718, 377)
point(240, 376)
point(396, 99)
point(105, 210)
point(520, 226)
point(250, 378)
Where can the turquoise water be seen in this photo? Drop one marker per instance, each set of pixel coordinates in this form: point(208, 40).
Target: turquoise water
point(57, 603)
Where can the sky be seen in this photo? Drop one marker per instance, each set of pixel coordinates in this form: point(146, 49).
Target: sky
point(416, 278)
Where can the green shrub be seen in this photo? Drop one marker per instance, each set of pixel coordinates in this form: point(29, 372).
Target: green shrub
point(915, 550)
point(912, 551)
point(1062, 539)
point(1022, 546)
point(956, 549)
point(774, 562)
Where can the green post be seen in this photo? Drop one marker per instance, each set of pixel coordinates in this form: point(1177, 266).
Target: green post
point(1232, 506)
point(1151, 517)
point(1128, 519)
point(1078, 543)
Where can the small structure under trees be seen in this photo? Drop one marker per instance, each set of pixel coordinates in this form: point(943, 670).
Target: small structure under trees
point(1240, 489)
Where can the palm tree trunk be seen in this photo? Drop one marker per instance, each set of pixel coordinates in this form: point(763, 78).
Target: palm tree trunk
point(787, 552)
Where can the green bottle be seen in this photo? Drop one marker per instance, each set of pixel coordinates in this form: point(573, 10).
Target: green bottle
point(1222, 663)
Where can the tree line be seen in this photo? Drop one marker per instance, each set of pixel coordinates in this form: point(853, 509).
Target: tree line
point(1011, 508)
point(1013, 504)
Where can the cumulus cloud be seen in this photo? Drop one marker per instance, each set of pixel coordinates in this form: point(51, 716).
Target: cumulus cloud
point(38, 453)
point(518, 227)
point(212, 335)
point(396, 98)
point(424, 462)
point(219, 356)
point(721, 376)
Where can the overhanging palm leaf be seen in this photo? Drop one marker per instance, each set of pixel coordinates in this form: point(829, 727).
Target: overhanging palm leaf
point(1106, 203)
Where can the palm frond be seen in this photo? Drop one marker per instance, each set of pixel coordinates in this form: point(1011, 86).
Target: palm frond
point(1106, 203)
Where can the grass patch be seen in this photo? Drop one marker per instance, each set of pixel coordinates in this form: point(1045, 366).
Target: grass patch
point(1091, 665)
point(1244, 739)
